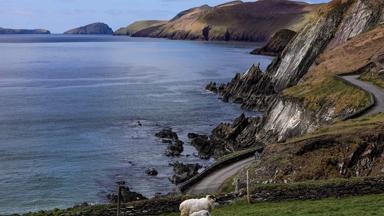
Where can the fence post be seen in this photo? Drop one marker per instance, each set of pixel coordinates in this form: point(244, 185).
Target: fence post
point(120, 185)
point(237, 185)
point(248, 195)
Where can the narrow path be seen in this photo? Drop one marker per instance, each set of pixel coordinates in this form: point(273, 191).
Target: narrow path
point(375, 90)
point(212, 182)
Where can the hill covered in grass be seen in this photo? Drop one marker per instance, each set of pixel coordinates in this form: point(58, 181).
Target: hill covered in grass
point(23, 31)
point(237, 21)
point(92, 29)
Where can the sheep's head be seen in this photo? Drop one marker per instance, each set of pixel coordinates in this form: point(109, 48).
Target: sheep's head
point(211, 198)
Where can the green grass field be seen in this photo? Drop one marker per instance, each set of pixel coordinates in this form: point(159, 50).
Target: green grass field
point(351, 206)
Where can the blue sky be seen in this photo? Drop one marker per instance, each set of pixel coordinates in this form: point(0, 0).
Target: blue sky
point(61, 15)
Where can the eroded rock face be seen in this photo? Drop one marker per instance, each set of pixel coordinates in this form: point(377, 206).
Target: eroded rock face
point(286, 117)
point(301, 52)
point(362, 15)
point(253, 89)
point(183, 172)
point(227, 138)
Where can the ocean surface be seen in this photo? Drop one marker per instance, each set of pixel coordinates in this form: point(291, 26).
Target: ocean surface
point(69, 107)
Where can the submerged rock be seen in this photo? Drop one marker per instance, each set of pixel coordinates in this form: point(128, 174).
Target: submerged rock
point(183, 172)
point(151, 172)
point(167, 133)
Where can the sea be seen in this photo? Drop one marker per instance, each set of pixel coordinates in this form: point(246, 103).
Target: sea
point(70, 107)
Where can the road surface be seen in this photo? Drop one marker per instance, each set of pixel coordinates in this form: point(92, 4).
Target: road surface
point(375, 90)
point(212, 182)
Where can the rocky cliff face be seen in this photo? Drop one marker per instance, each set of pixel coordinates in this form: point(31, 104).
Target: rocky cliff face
point(343, 22)
point(287, 116)
point(94, 28)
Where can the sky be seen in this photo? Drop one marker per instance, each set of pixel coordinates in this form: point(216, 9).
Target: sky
point(61, 15)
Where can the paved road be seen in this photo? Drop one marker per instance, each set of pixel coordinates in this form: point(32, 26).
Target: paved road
point(375, 90)
point(213, 181)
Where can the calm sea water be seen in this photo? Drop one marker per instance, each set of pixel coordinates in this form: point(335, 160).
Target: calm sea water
point(70, 104)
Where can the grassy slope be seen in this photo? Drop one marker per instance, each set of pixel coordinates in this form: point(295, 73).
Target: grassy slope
point(351, 206)
point(244, 21)
point(138, 26)
point(320, 86)
point(322, 152)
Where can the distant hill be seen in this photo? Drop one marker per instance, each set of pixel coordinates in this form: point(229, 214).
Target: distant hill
point(138, 26)
point(23, 31)
point(250, 21)
point(94, 28)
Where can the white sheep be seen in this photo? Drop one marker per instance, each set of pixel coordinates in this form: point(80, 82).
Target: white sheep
point(188, 207)
point(201, 213)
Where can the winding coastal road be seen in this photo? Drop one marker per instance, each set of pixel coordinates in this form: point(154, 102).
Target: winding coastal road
point(213, 181)
point(377, 92)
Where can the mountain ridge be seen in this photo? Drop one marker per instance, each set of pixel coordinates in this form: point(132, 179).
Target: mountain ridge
point(232, 21)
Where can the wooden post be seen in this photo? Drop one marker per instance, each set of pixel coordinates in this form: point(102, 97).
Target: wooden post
point(120, 185)
point(248, 195)
point(237, 185)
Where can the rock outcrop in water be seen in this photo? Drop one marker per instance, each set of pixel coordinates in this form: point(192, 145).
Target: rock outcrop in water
point(276, 44)
point(23, 31)
point(92, 29)
point(235, 21)
point(175, 146)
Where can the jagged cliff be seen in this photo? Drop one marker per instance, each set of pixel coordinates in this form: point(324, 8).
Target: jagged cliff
point(237, 20)
point(300, 91)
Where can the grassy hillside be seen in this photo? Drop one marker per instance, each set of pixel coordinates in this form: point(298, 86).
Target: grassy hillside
point(343, 150)
point(321, 88)
point(351, 206)
point(138, 26)
point(250, 21)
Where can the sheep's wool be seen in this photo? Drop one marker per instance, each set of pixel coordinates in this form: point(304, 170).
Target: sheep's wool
point(191, 206)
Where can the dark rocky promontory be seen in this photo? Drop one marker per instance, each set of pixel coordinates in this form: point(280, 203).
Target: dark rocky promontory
point(276, 44)
point(184, 172)
point(23, 31)
point(92, 29)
